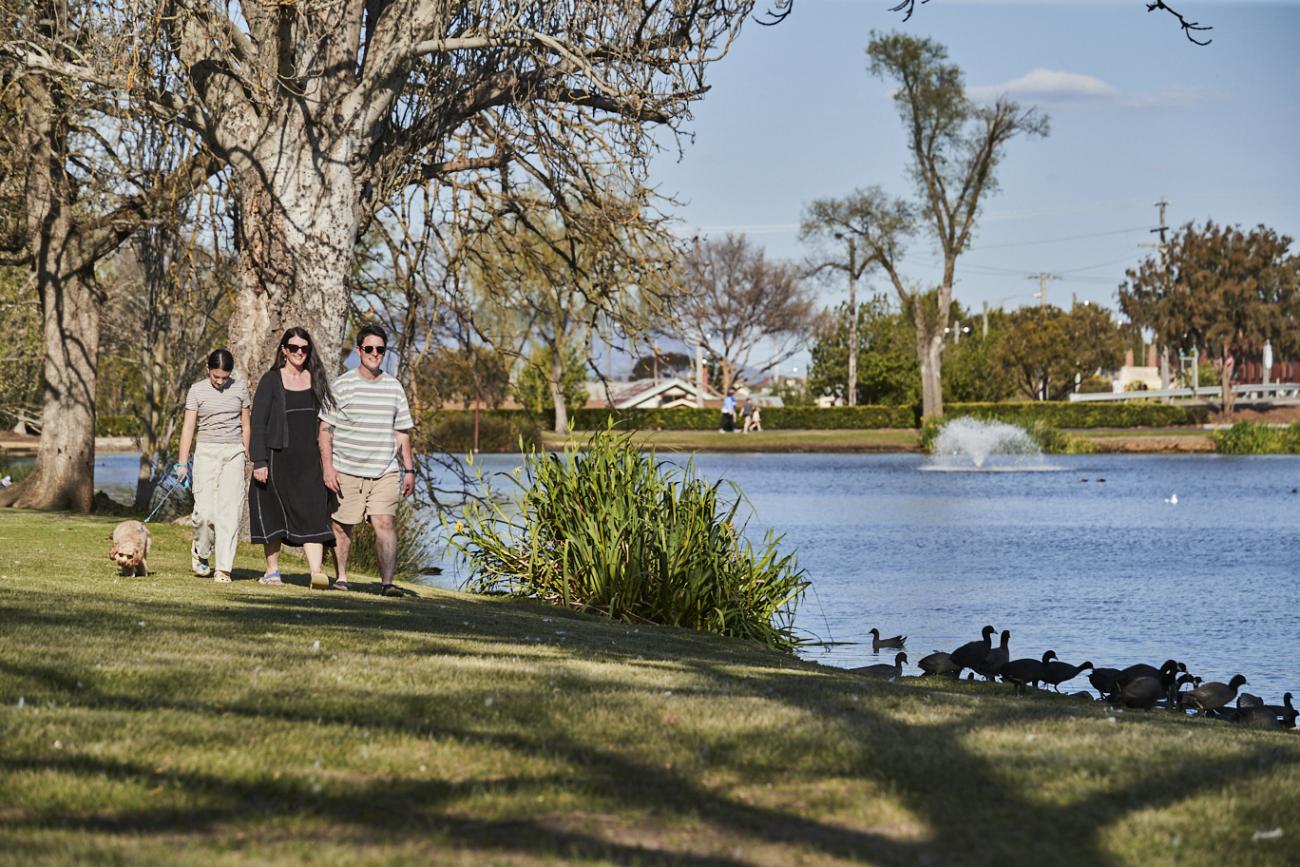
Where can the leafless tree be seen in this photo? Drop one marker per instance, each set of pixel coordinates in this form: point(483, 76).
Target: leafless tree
point(324, 110)
point(955, 149)
point(735, 301)
point(82, 195)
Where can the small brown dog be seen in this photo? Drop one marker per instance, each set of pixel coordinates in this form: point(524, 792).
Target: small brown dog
point(130, 549)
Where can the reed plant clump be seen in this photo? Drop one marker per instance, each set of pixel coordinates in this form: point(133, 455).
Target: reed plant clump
point(606, 528)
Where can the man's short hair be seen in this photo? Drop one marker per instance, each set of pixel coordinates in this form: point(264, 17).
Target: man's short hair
point(371, 331)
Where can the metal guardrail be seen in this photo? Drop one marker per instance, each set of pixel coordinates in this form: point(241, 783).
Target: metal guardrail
point(1273, 392)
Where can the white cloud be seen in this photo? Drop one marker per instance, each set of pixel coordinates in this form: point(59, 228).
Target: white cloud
point(1048, 85)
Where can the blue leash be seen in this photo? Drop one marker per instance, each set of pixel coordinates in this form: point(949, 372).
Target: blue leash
point(171, 483)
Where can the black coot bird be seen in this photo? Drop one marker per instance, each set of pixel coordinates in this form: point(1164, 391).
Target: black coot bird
point(997, 657)
point(1023, 672)
point(1285, 710)
point(938, 664)
point(972, 653)
point(1104, 681)
point(1058, 672)
point(1213, 695)
point(1141, 693)
point(1170, 667)
point(877, 642)
point(883, 669)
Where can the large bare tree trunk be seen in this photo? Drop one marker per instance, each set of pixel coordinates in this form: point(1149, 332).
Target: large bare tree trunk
point(64, 474)
point(70, 308)
point(297, 231)
point(929, 352)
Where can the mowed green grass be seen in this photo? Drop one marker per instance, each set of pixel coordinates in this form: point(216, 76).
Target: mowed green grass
point(171, 720)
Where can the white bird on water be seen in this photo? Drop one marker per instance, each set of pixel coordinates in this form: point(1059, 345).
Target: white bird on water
point(1172, 499)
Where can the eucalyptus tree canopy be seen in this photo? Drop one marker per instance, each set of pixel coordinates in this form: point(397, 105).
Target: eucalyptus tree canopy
point(1222, 291)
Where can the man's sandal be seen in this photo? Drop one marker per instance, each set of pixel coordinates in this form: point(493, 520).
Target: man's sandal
point(341, 584)
point(320, 581)
point(271, 578)
point(389, 590)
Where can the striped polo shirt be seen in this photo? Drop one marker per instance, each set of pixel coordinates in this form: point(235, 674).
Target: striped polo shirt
point(366, 413)
point(218, 412)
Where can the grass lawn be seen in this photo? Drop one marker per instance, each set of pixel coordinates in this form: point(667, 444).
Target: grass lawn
point(168, 719)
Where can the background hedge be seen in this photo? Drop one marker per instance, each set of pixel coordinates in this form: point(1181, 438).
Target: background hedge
point(1063, 414)
point(500, 429)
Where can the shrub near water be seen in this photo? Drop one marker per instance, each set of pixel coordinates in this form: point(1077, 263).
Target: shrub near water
point(611, 530)
point(1252, 438)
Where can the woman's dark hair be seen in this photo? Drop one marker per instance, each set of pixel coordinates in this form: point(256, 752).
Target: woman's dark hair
point(320, 383)
point(221, 359)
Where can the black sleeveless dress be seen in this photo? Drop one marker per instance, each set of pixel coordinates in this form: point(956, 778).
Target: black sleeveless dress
point(294, 504)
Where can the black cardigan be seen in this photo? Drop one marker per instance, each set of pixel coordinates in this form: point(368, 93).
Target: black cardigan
point(270, 425)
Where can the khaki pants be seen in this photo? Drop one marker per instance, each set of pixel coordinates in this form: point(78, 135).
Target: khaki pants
point(218, 501)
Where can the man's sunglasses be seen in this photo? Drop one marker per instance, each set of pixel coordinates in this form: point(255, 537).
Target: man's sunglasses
point(298, 347)
point(372, 350)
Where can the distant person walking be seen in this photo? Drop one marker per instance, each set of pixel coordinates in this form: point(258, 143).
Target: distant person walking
point(287, 501)
point(217, 416)
point(728, 413)
point(365, 444)
point(754, 421)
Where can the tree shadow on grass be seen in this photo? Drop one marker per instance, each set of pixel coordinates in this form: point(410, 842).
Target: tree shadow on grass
point(970, 809)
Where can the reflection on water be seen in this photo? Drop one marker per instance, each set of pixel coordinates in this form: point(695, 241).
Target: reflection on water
point(1090, 560)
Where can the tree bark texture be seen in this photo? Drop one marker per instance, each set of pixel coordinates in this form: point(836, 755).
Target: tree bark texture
point(297, 230)
point(556, 383)
point(70, 306)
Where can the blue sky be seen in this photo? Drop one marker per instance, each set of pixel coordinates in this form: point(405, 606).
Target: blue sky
point(1138, 113)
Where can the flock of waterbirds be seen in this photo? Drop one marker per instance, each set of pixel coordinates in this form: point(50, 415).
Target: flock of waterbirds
point(1139, 686)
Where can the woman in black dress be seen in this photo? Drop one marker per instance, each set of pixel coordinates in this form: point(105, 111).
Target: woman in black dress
point(288, 500)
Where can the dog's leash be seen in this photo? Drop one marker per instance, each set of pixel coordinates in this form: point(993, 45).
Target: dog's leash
point(172, 482)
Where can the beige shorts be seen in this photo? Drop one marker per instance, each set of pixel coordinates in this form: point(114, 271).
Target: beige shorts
point(362, 498)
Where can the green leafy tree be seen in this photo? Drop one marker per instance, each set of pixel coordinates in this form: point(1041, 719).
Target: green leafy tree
point(971, 371)
point(887, 365)
point(534, 387)
point(1222, 291)
point(448, 375)
point(1043, 349)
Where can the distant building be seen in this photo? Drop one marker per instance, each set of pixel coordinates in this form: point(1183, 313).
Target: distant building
point(649, 394)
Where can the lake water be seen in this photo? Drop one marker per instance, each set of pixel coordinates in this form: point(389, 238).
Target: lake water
point(1101, 570)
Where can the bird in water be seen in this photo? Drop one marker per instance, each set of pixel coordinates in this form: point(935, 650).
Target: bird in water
point(877, 642)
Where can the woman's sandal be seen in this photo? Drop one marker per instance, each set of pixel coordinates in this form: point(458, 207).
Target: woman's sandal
point(271, 578)
point(221, 577)
point(320, 581)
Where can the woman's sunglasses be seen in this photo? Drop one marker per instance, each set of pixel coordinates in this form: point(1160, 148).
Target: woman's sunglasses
point(295, 348)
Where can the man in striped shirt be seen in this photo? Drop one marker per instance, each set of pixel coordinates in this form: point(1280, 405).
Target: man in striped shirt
point(365, 451)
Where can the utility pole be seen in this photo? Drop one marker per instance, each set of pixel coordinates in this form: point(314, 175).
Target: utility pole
point(1042, 277)
point(1163, 248)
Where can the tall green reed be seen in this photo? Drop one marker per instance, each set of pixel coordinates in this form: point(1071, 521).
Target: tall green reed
point(606, 528)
